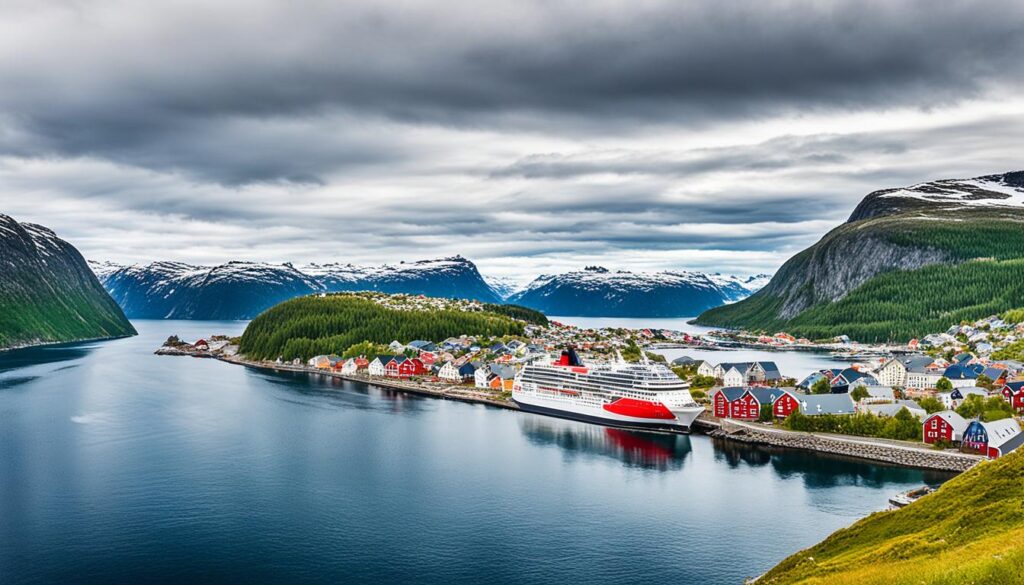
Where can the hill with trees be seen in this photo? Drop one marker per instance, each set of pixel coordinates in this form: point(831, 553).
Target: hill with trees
point(326, 324)
point(908, 262)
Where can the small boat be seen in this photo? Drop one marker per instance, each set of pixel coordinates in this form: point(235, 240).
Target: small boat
point(910, 496)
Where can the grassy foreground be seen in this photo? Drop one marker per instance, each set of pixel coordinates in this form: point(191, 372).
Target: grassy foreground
point(969, 531)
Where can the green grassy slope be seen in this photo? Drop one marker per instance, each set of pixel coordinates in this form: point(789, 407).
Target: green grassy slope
point(969, 531)
point(309, 326)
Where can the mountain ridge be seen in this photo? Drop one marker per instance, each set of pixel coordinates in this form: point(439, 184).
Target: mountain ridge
point(241, 290)
point(48, 293)
point(891, 236)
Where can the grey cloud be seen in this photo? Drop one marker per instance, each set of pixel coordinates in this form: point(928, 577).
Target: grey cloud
point(199, 92)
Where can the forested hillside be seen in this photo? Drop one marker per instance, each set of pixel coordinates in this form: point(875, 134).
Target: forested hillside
point(312, 325)
point(48, 294)
point(909, 262)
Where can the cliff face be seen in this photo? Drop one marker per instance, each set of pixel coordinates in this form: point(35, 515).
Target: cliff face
point(48, 294)
point(945, 222)
point(843, 260)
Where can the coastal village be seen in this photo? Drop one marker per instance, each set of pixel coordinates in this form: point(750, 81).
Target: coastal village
point(946, 392)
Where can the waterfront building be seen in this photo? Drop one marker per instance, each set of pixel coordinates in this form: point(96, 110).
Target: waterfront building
point(945, 426)
point(449, 372)
point(817, 404)
point(992, 439)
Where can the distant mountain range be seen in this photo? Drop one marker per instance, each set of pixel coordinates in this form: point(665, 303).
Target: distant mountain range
point(242, 290)
point(47, 292)
point(908, 262)
point(598, 292)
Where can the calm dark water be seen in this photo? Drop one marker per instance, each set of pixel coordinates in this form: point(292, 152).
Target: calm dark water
point(120, 466)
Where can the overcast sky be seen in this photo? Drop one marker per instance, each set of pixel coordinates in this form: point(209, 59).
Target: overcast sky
point(527, 136)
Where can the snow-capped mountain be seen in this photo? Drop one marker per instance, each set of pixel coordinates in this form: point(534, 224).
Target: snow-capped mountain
point(242, 290)
point(599, 292)
point(988, 192)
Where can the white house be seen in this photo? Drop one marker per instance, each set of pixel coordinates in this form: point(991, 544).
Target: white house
point(480, 376)
point(396, 346)
point(376, 367)
point(733, 377)
point(892, 373)
point(957, 396)
point(923, 379)
point(350, 367)
point(449, 372)
point(706, 368)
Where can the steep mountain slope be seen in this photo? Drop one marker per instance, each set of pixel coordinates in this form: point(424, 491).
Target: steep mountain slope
point(242, 290)
point(874, 277)
point(47, 292)
point(596, 291)
point(969, 531)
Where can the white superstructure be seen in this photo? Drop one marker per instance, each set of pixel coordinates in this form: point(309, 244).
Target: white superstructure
point(618, 394)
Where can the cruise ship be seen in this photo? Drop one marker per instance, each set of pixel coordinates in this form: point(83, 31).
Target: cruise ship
point(644, 395)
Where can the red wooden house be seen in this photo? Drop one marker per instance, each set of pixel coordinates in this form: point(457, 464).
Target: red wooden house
point(1013, 392)
point(411, 367)
point(391, 368)
point(736, 403)
point(945, 426)
point(745, 403)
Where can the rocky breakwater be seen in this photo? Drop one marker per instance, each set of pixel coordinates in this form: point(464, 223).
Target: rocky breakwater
point(860, 447)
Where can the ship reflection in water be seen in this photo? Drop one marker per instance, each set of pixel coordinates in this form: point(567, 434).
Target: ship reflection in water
point(646, 450)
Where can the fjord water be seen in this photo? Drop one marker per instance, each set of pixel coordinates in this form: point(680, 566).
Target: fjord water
point(120, 466)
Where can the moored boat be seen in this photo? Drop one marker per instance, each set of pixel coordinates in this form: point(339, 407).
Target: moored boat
point(645, 395)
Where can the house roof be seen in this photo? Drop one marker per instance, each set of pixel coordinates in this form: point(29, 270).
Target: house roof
point(880, 391)
point(1000, 432)
point(814, 404)
point(733, 392)
point(918, 364)
point(959, 372)
point(1014, 386)
point(767, 395)
point(742, 367)
point(958, 422)
point(384, 358)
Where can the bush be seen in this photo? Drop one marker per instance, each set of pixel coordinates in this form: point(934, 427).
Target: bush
point(902, 426)
point(931, 404)
point(822, 386)
point(944, 385)
point(766, 414)
point(699, 394)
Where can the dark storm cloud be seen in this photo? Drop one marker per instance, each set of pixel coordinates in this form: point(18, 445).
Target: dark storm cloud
point(212, 92)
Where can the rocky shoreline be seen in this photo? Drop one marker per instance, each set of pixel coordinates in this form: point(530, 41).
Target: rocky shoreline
point(858, 447)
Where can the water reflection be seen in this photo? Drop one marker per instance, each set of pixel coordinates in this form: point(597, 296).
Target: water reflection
point(655, 451)
point(319, 391)
point(37, 356)
point(818, 470)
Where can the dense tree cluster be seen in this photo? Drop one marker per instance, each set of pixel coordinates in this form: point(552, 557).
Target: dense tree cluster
point(518, 312)
point(903, 425)
point(897, 305)
point(308, 326)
